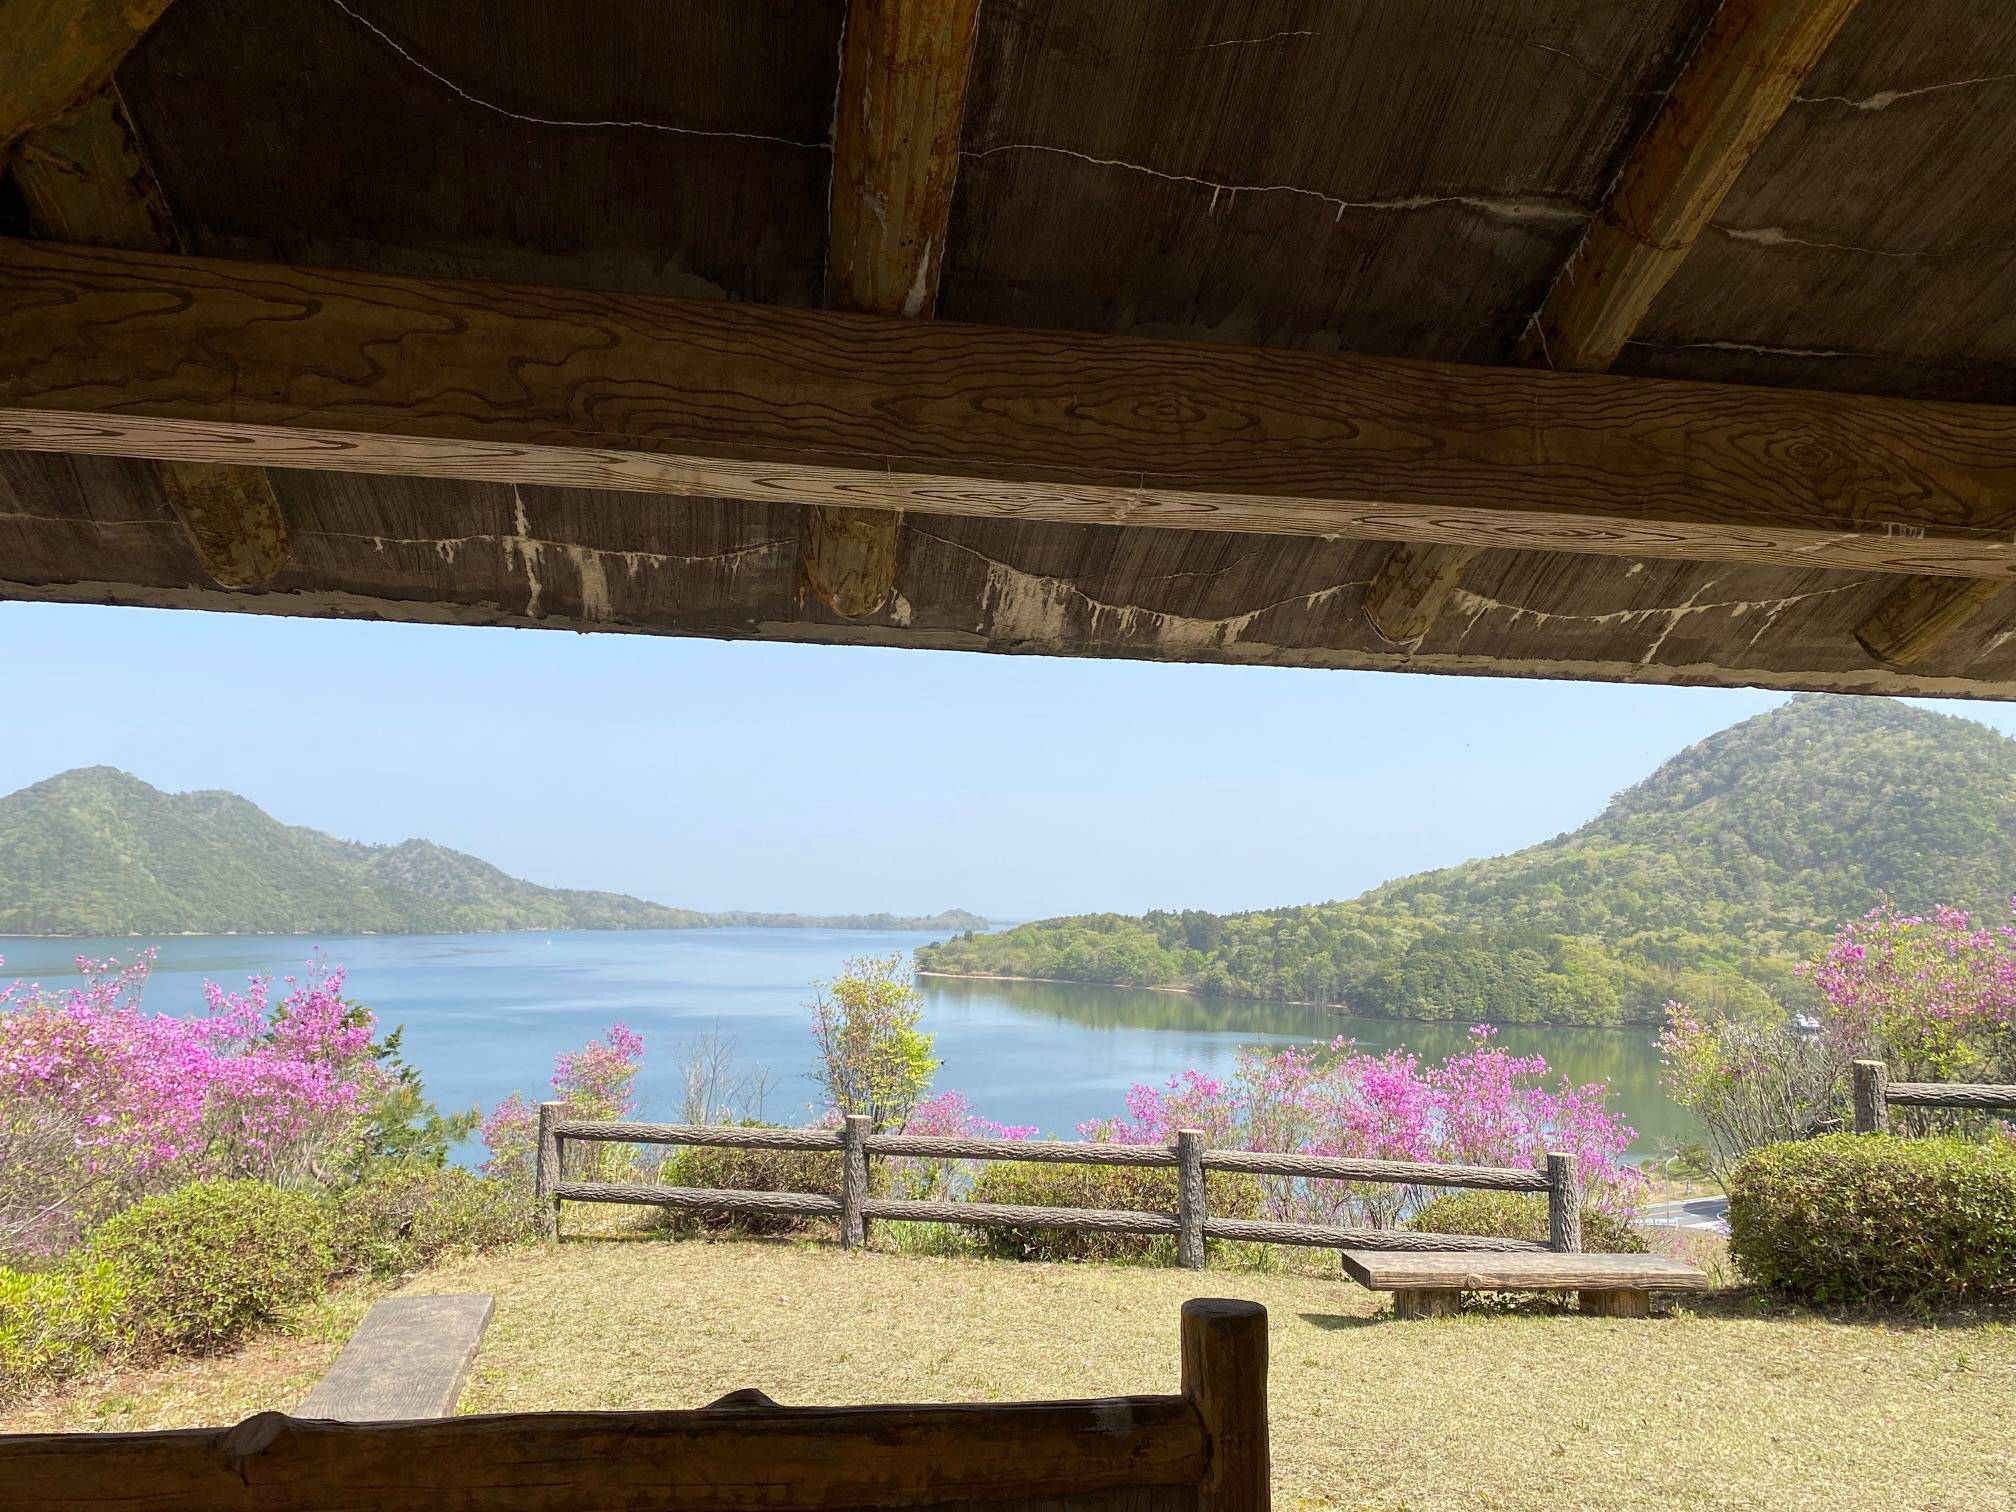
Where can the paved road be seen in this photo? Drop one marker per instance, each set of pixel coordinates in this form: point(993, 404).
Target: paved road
point(1709, 1213)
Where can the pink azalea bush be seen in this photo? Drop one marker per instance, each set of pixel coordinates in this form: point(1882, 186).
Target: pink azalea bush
point(1482, 1107)
point(103, 1102)
point(598, 1081)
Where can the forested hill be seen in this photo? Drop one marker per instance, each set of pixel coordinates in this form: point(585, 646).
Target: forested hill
point(98, 852)
point(1706, 881)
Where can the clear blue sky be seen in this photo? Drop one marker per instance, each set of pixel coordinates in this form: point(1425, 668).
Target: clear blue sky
point(829, 779)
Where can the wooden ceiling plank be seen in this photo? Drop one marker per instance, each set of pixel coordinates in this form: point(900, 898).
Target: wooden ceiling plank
point(56, 52)
point(896, 124)
point(133, 354)
point(1740, 78)
point(85, 178)
point(1916, 617)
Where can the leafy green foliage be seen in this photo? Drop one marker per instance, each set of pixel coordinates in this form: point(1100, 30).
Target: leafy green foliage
point(1520, 1215)
point(750, 1171)
point(204, 1266)
point(1143, 1189)
point(58, 1323)
point(96, 851)
point(873, 1058)
point(1867, 1218)
point(406, 1214)
point(1705, 883)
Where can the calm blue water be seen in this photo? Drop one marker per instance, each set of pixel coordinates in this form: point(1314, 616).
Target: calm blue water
point(486, 1013)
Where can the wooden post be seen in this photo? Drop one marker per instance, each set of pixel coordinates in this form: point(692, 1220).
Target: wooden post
point(1225, 1379)
point(1190, 1198)
point(1564, 1202)
point(546, 1170)
point(854, 1181)
point(1872, 1103)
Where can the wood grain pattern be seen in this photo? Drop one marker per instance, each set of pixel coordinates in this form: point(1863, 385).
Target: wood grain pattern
point(1225, 1380)
point(546, 1170)
point(854, 1180)
point(1872, 1104)
point(902, 95)
point(1190, 1199)
point(1746, 71)
point(1039, 1151)
point(749, 1460)
point(1921, 614)
point(408, 1359)
point(716, 1199)
point(1014, 1215)
point(1564, 1202)
point(718, 1136)
point(228, 362)
point(1617, 1302)
point(1407, 1172)
point(58, 51)
point(1985, 1096)
point(1390, 1270)
point(1411, 588)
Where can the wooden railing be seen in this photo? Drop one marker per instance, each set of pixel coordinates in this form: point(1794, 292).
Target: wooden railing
point(1202, 1451)
point(852, 1207)
point(1876, 1095)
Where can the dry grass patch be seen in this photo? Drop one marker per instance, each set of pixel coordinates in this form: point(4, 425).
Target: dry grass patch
point(1734, 1407)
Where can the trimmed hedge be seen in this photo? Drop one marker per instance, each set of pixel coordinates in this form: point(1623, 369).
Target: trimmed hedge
point(1520, 1215)
point(59, 1323)
point(406, 1214)
point(206, 1265)
point(1869, 1218)
point(736, 1169)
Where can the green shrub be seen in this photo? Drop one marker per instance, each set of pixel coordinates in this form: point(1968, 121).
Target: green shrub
point(406, 1214)
point(203, 1266)
point(1520, 1215)
point(58, 1323)
point(1862, 1218)
point(1147, 1189)
point(748, 1171)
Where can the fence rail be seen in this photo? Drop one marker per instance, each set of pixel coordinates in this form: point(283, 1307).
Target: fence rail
point(1876, 1095)
point(1191, 1224)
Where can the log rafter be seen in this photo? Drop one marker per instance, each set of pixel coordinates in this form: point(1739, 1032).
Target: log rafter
point(85, 178)
point(183, 359)
point(896, 124)
point(1736, 84)
point(55, 53)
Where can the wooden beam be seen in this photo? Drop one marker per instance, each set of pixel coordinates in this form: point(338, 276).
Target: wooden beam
point(1739, 80)
point(134, 355)
point(1915, 617)
point(85, 178)
point(55, 52)
point(896, 122)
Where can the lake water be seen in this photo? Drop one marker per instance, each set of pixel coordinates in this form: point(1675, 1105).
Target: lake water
point(486, 1013)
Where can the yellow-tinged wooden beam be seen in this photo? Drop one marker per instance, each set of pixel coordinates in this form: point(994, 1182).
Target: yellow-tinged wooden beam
point(53, 53)
point(896, 122)
point(1739, 80)
point(85, 178)
point(1920, 613)
point(188, 359)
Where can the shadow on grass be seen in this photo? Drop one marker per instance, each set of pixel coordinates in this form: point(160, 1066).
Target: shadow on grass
point(1340, 1322)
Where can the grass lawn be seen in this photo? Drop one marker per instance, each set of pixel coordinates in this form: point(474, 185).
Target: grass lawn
point(1730, 1407)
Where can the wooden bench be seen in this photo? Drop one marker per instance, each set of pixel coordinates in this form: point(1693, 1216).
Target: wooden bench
point(407, 1360)
point(1431, 1283)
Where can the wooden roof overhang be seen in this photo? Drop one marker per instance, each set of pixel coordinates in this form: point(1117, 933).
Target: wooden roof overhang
point(1672, 341)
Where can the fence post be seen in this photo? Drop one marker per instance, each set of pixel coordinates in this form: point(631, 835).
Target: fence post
point(546, 1170)
point(1564, 1202)
point(1190, 1198)
point(1872, 1104)
point(1225, 1380)
point(853, 1181)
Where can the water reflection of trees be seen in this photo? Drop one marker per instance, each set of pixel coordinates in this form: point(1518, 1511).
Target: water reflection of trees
point(1627, 1058)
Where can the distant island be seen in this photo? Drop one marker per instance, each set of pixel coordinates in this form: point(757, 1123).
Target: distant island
point(96, 851)
point(1706, 882)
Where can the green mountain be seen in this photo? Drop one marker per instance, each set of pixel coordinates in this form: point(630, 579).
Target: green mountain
point(1707, 882)
point(98, 852)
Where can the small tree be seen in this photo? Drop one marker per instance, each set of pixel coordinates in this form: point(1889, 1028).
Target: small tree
point(1750, 1083)
point(872, 1057)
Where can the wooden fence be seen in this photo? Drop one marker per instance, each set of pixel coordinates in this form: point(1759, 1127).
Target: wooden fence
point(1876, 1095)
point(852, 1207)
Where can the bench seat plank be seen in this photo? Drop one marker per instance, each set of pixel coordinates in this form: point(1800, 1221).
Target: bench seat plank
point(1399, 1270)
point(408, 1359)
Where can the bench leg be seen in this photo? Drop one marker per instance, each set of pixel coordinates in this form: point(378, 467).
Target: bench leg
point(1435, 1302)
point(1624, 1302)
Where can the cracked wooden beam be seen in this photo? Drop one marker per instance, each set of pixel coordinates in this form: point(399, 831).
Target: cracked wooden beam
point(85, 178)
point(896, 123)
point(57, 52)
point(133, 354)
point(1916, 617)
point(1740, 79)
